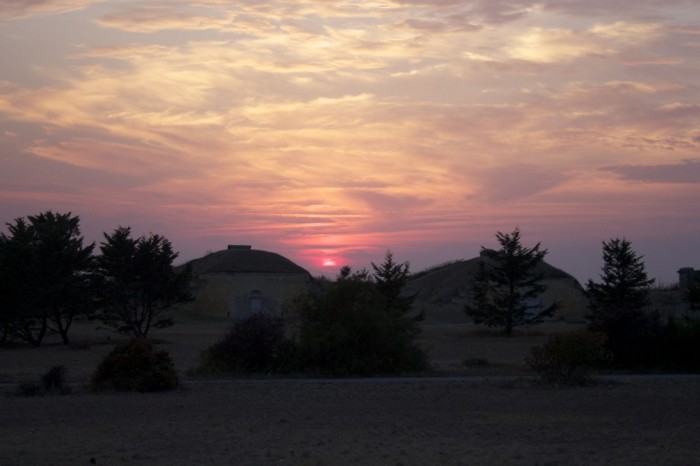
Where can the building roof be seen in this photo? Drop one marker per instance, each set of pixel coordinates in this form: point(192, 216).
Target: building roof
point(244, 260)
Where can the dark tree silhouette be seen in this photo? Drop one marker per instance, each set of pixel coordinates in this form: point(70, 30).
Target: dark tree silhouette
point(18, 307)
point(617, 306)
point(139, 282)
point(624, 286)
point(345, 329)
point(506, 286)
point(390, 279)
point(47, 275)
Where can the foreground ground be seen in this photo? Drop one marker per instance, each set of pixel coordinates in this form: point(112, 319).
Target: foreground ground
point(518, 421)
point(256, 423)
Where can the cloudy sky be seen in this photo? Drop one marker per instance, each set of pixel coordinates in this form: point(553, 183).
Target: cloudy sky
point(330, 131)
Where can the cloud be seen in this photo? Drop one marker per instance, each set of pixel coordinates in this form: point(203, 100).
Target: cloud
point(687, 171)
point(22, 9)
point(390, 204)
point(608, 7)
point(348, 125)
point(152, 19)
point(557, 44)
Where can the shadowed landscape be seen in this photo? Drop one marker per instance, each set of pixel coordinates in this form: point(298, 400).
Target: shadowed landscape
point(272, 421)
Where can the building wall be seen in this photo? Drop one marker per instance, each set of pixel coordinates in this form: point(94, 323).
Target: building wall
point(238, 295)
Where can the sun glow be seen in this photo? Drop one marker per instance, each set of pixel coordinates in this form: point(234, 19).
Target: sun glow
point(329, 263)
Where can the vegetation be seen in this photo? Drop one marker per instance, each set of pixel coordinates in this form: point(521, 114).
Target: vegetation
point(390, 279)
point(135, 366)
point(359, 325)
point(506, 287)
point(617, 307)
point(569, 358)
point(624, 287)
point(46, 277)
point(53, 382)
point(256, 345)
point(680, 345)
point(138, 282)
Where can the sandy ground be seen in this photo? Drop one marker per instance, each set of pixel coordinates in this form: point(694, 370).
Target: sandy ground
point(650, 421)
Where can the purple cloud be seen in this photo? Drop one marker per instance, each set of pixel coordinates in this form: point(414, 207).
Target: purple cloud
point(688, 171)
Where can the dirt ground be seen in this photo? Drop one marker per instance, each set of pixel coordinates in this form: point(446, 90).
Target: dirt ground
point(260, 422)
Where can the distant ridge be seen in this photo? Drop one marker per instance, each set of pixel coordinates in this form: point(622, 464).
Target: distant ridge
point(443, 290)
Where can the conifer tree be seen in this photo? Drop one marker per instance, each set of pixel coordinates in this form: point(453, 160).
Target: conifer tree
point(390, 279)
point(624, 287)
point(617, 306)
point(506, 286)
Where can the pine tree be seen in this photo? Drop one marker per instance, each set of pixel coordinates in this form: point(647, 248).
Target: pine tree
point(506, 286)
point(625, 285)
point(617, 307)
point(390, 279)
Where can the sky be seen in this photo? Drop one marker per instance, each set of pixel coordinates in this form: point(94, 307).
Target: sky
point(332, 131)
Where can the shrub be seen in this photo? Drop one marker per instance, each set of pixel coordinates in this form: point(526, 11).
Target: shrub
point(346, 329)
point(680, 347)
point(256, 344)
point(633, 338)
point(569, 358)
point(135, 367)
point(52, 382)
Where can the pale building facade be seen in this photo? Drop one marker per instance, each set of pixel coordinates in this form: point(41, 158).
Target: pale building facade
point(240, 281)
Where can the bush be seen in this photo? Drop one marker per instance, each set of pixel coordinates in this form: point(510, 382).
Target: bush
point(680, 347)
point(345, 329)
point(135, 367)
point(52, 382)
point(569, 358)
point(633, 338)
point(256, 344)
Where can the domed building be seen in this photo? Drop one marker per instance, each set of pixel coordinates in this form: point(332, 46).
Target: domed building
point(240, 281)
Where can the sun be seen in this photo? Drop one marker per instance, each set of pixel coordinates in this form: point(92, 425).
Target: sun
point(329, 263)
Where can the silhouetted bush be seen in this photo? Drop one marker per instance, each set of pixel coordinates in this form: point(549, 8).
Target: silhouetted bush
point(569, 358)
point(135, 367)
point(256, 344)
point(680, 346)
point(346, 329)
point(52, 382)
point(634, 339)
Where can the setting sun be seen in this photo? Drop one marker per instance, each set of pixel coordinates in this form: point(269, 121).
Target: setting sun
point(329, 263)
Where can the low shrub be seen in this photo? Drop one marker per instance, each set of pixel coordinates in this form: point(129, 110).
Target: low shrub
point(53, 382)
point(256, 344)
point(135, 366)
point(569, 358)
